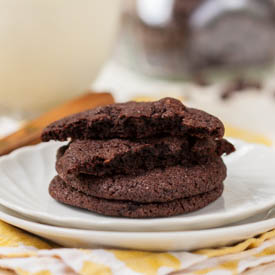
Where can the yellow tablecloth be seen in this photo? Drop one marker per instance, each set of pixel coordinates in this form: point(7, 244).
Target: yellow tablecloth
point(24, 254)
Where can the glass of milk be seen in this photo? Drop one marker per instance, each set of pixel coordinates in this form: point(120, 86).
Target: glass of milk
point(51, 50)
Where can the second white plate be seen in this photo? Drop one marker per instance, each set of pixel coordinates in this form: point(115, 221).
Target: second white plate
point(152, 241)
point(249, 189)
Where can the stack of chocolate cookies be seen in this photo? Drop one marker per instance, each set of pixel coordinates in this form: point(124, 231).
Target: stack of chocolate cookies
point(137, 160)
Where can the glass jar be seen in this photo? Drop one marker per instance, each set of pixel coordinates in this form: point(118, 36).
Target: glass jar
point(178, 38)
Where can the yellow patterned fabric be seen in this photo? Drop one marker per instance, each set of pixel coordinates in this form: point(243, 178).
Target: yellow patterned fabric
point(25, 254)
point(248, 136)
point(20, 257)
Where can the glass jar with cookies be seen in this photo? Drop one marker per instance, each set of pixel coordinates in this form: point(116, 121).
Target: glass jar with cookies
point(175, 38)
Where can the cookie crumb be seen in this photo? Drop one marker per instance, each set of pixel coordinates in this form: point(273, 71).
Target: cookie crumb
point(201, 80)
point(239, 85)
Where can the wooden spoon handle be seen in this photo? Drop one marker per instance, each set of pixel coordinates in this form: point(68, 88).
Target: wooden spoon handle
point(30, 133)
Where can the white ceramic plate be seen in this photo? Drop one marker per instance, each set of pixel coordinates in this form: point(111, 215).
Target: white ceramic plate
point(249, 189)
point(155, 241)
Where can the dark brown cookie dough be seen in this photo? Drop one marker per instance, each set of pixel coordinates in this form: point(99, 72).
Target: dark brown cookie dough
point(118, 156)
point(135, 120)
point(158, 185)
point(66, 194)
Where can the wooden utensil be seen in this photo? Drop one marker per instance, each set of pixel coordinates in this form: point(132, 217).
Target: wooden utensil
point(30, 133)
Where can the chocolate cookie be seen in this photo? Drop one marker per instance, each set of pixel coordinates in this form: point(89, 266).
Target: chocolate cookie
point(68, 195)
point(117, 156)
point(135, 120)
point(158, 185)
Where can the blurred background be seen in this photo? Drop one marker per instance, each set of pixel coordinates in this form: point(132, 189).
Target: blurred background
point(212, 54)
